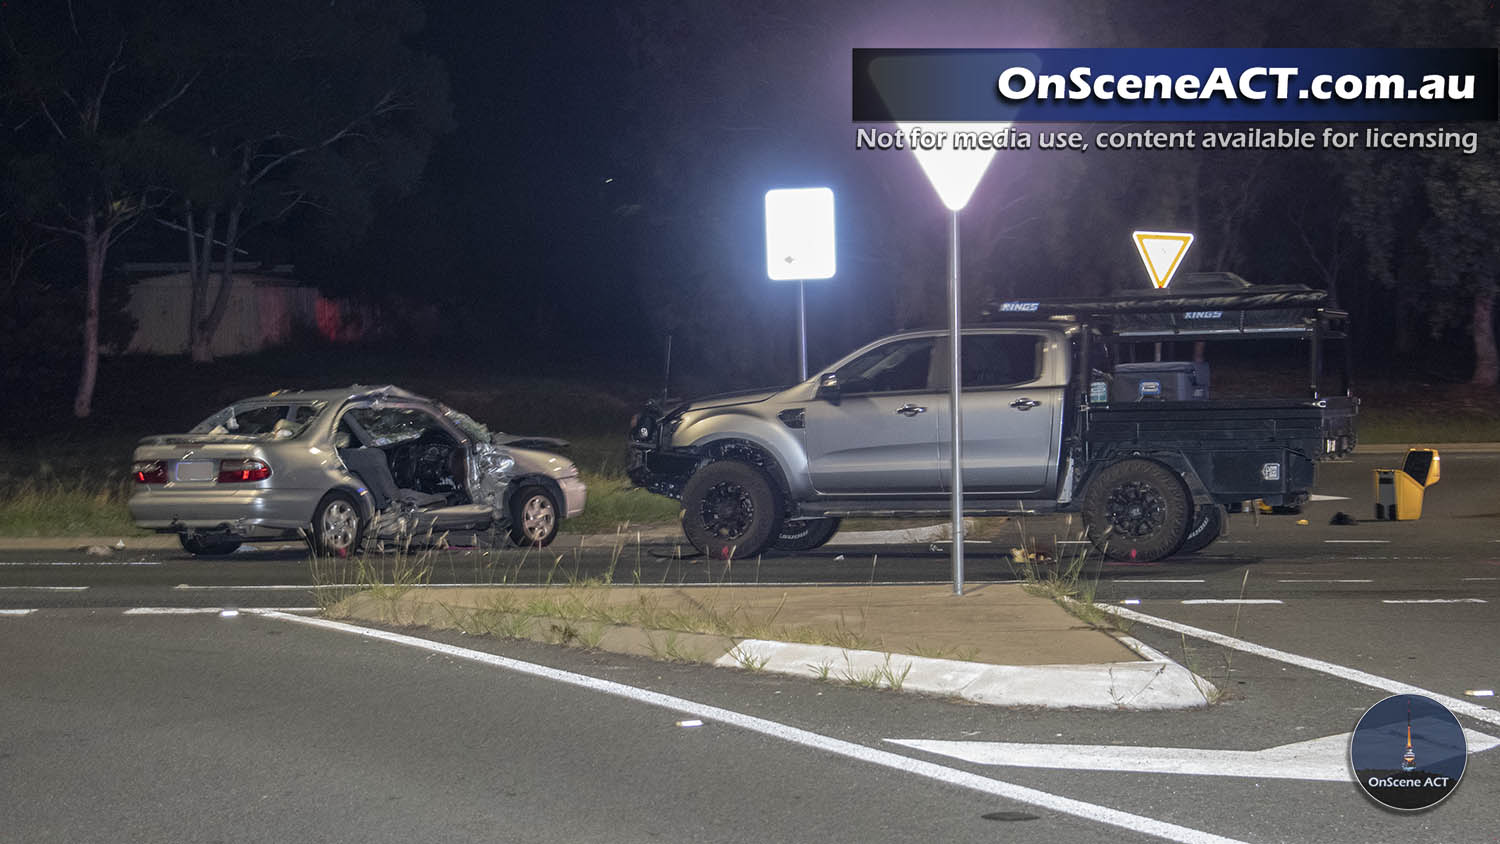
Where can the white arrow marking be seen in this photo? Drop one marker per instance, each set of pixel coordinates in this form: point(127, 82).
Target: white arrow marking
point(1323, 759)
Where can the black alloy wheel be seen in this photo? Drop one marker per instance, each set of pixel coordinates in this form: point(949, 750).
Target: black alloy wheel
point(730, 509)
point(1137, 510)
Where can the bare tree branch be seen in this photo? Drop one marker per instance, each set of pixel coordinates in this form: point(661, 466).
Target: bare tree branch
point(171, 98)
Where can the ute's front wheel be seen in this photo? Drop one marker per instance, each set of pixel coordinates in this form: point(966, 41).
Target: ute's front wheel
point(1137, 510)
point(730, 509)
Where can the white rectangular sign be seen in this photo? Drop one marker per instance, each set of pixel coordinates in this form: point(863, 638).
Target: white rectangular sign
point(799, 234)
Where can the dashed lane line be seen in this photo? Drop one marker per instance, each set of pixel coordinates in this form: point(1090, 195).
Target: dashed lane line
point(1354, 675)
point(795, 735)
point(1325, 581)
point(1233, 601)
point(17, 612)
point(1434, 601)
point(43, 588)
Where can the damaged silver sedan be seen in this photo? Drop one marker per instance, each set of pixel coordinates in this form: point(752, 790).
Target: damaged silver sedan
point(345, 468)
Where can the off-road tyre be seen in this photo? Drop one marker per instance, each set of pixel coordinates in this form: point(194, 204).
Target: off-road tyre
point(1208, 526)
point(338, 526)
point(730, 510)
point(200, 545)
point(1137, 510)
point(805, 534)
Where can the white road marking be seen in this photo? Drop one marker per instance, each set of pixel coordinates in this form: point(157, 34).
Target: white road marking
point(17, 612)
point(1482, 578)
point(286, 586)
point(1317, 497)
point(1233, 601)
point(1323, 759)
point(1353, 675)
point(1134, 580)
point(82, 563)
point(1436, 601)
point(795, 735)
point(1325, 581)
point(1357, 541)
point(210, 610)
point(43, 588)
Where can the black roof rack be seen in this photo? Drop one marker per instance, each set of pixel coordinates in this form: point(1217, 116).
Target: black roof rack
point(1248, 312)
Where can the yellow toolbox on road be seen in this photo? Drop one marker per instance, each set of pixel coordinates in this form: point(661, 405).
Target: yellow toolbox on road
point(1398, 492)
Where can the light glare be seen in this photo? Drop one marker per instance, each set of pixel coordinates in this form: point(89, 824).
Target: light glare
point(800, 234)
point(954, 173)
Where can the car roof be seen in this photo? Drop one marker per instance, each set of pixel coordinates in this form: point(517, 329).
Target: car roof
point(337, 394)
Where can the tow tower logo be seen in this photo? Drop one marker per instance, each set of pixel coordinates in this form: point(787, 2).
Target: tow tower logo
point(1408, 752)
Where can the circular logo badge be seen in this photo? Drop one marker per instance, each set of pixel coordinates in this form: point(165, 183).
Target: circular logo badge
point(1408, 752)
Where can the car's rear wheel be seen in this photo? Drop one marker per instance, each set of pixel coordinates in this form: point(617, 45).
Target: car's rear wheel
point(533, 517)
point(1137, 510)
point(1207, 526)
point(805, 534)
point(208, 545)
point(338, 526)
point(730, 509)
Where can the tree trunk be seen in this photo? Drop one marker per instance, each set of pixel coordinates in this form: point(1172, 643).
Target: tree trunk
point(1486, 361)
point(226, 285)
point(95, 247)
point(200, 264)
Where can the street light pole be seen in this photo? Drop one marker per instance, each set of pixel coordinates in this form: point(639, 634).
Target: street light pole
point(955, 387)
point(802, 326)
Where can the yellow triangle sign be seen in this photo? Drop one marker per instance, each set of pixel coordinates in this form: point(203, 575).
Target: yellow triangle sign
point(1162, 252)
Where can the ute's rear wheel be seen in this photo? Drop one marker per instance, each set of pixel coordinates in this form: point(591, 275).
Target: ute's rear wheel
point(1137, 510)
point(1208, 525)
point(209, 545)
point(730, 509)
point(805, 534)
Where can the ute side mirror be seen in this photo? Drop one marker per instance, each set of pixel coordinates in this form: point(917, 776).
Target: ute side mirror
point(828, 388)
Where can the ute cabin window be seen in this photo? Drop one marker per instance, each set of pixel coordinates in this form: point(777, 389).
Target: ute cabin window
point(1001, 360)
point(901, 366)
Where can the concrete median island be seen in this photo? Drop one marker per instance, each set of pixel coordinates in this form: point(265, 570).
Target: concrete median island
point(996, 645)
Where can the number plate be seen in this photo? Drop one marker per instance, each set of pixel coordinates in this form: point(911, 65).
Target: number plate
point(197, 470)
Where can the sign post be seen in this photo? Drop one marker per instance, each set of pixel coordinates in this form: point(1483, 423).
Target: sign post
point(800, 246)
point(955, 173)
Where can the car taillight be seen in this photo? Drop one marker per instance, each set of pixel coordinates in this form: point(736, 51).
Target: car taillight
point(242, 471)
point(149, 471)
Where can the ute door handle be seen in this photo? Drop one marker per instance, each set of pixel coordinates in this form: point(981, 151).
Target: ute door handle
point(1024, 404)
point(909, 410)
